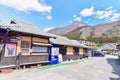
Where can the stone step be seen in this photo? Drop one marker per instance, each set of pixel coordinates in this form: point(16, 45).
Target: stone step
point(6, 71)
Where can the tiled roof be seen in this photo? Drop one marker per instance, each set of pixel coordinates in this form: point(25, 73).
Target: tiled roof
point(20, 26)
point(109, 46)
point(59, 40)
point(29, 28)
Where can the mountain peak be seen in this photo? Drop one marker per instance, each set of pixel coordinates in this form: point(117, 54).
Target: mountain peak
point(66, 29)
point(76, 22)
point(77, 30)
point(79, 23)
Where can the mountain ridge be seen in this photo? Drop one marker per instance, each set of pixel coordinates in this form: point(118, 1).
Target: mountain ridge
point(66, 29)
point(84, 31)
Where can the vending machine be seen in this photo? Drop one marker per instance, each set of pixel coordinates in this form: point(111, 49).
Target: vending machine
point(53, 55)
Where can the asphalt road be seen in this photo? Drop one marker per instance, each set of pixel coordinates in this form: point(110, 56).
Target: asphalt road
point(96, 68)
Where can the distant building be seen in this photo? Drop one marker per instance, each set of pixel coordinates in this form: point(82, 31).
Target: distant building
point(90, 44)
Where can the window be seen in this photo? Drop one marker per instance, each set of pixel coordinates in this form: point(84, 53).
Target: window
point(76, 51)
point(40, 49)
point(25, 46)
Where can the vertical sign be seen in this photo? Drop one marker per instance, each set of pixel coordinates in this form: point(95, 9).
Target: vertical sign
point(10, 50)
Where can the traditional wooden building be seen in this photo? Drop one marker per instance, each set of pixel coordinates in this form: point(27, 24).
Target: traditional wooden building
point(69, 49)
point(90, 44)
point(19, 37)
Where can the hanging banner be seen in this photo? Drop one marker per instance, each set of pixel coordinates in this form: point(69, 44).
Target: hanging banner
point(10, 50)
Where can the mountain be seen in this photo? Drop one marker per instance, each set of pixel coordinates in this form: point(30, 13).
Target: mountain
point(67, 29)
point(109, 31)
point(81, 32)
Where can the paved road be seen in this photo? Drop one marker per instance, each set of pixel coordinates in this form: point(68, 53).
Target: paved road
point(96, 68)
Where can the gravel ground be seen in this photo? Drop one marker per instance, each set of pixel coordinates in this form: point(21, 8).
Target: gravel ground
point(96, 68)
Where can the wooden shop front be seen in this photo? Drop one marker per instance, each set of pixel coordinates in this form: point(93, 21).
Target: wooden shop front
point(34, 48)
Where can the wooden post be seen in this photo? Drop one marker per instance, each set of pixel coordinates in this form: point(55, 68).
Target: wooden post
point(39, 65)
point(24, 67)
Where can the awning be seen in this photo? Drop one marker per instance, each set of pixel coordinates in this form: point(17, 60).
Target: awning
point(41, 44)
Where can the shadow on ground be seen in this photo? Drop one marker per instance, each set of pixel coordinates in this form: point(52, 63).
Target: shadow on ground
point(116, 68)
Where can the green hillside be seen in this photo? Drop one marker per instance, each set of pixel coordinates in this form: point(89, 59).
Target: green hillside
point(75, 34)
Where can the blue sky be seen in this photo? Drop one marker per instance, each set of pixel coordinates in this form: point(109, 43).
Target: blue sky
point(47, 14)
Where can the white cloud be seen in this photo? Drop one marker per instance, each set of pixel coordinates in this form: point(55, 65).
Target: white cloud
point(109, 8)
point(115, 17)
point(49, 17)
point(109, 14)
point(27, 5)
point(77, 19)
point(74, 15)
point(47, 29)
point(105, 14)
point(87, 11)
point(99, 13)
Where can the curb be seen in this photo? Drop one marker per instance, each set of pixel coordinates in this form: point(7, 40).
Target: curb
point(118, 61)
point(60, 64)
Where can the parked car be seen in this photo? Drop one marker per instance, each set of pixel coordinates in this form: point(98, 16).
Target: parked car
point(98, 53)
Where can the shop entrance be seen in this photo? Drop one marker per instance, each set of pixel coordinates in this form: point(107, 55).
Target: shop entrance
point(76, 51)
point(85, 50)
point(62, 51)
